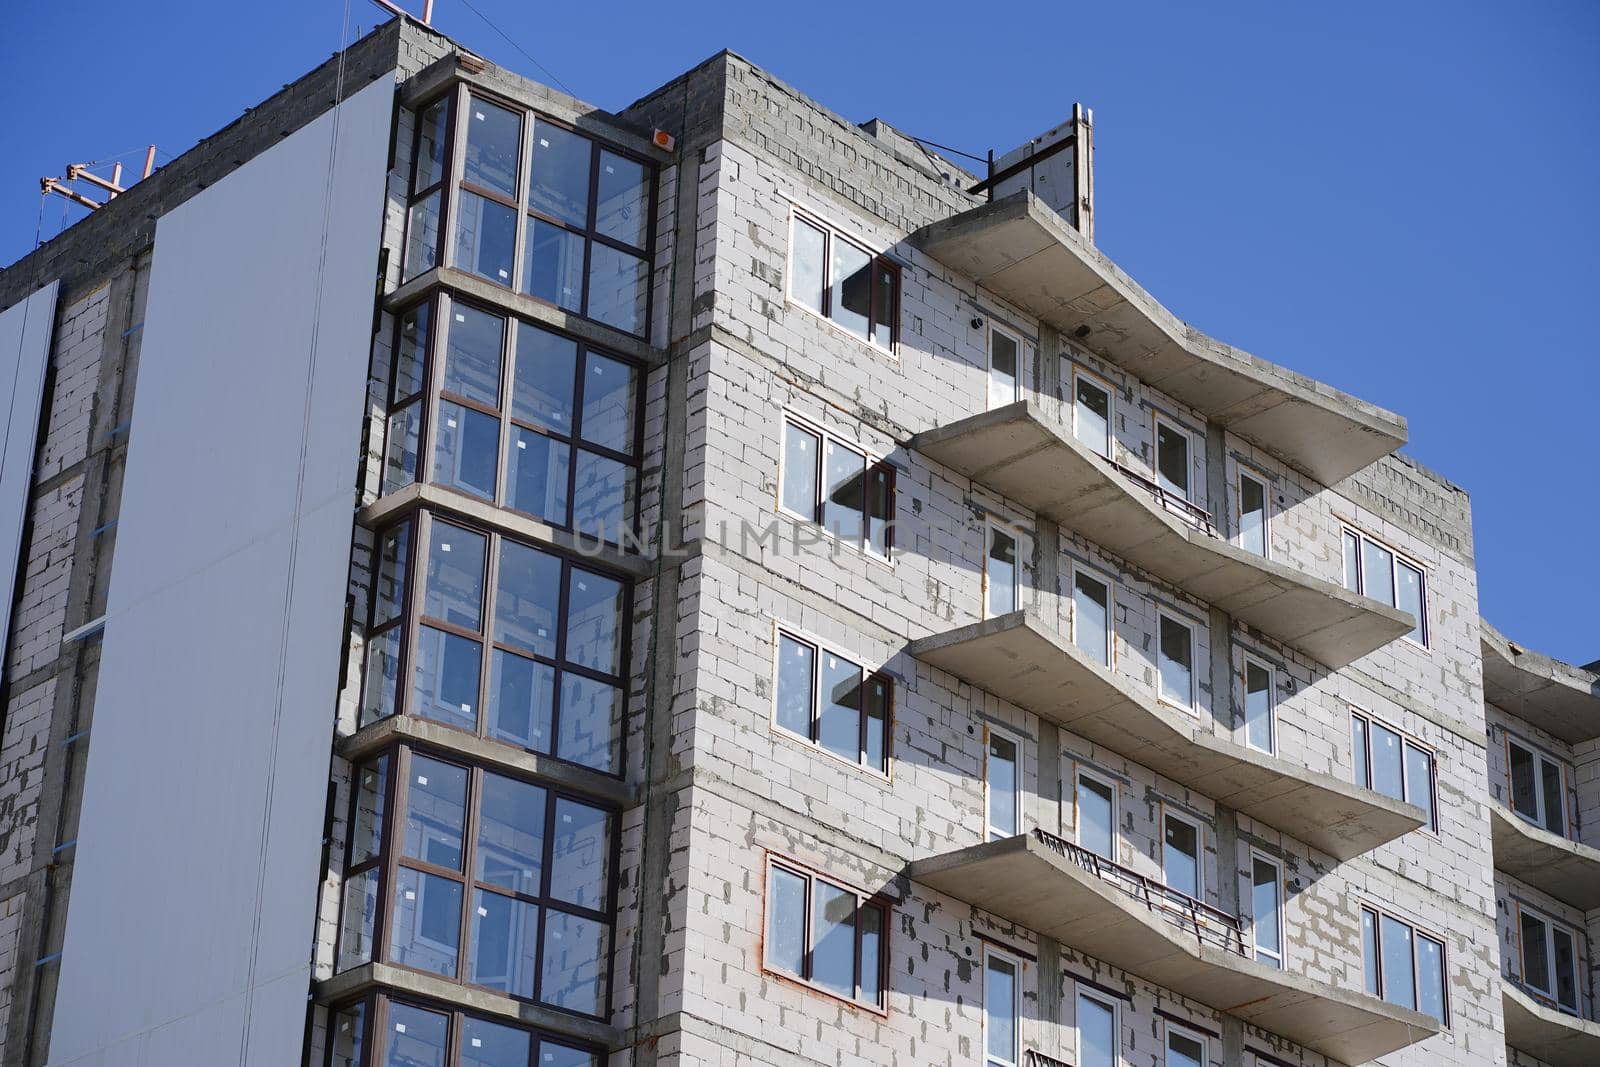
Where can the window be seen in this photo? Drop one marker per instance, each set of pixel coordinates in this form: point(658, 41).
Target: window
point(1091, 412)
point(1091, 616)
point(1002, 1008)
point(825, 934)
point(1097, 816)
point(1175, 656)
point(833, 702)
point(429, 155)
point(1000, 572)
point(1402, 964)
point(1266, 910)
point(409, 1035)
point(486, 208)
point(849, 492)
point(1180, 856)
point(1259, 712)
point(1185, 1048)
point(1392, 764)
point(1097, 1030)
point(1253, 527)
point(1538, 792)
point(1005, 375)
point(840, 280)
point(1172, 459)
point(1002, 785)
point(1549, 959)
point(550, 633)
point(491, 880)
point(1376, 571)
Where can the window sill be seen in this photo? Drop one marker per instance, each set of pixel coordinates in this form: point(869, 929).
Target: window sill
point(812, 987)
point(882, 778)
point(890, 353)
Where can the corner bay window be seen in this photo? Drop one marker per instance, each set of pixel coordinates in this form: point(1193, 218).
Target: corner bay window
point(1392, 764)
point(481, 878)
point(842, 488)
point(833, 702)
point(534, 659)
point(385, 1032)
point(429, 157)
point(842, 281)
point(1403, 965)
point(826, 935)
point(1376, 571)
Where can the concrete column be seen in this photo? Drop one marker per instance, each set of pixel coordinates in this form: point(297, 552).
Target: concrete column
point(1051, 1034)
point(1047, 808)
point(1223, 713)
point(1047, 366)
point(1232, 1040)
point(1217, 480)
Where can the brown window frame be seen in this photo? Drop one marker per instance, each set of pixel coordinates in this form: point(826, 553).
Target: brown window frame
point(440, 187)
point(876, 901)
point(877, 261)
point(869, 676)
point(872, 467)
point(375, 1021)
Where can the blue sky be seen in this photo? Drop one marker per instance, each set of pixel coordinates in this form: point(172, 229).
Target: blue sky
point(1398, 199)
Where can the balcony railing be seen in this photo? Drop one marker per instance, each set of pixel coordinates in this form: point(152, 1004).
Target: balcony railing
point(1035, 1058)
point(1185, 509)
point(1209, 925)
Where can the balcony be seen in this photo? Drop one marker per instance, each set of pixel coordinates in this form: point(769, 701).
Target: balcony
point(1558, 698)
point(1543, 1032)
point(1061, 891)
point(1567, 870)
point(1019, 658)
point(1023, 454)
point(1021, 250)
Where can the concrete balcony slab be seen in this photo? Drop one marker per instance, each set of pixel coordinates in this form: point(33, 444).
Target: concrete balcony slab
point(1565, 869)
point(1548, 1035)
point(1020, 658)
point(1058, 891)
point(1020, 249)
point(1026, 455)
point(1558, 698)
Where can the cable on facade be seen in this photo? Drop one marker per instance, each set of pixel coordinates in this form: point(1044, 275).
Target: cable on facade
point(547, 71)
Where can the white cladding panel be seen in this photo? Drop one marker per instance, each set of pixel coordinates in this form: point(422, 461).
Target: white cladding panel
point(25, 331)
point(190, 920)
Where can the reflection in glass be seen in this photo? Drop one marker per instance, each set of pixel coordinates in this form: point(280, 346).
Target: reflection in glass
point(1001, 776)
point(411, 352)
point(574, 972)
point(852, 287)
point(808, 265)
point(541, 390)
point(466, 449)
point(619, 288)
point(510, 834)
point(422, 236)
point(800, 451)
point(371, 797)
point(455, 576)
point(402, 447)
point(786, 921)
point(487, 1044)
point(357, 913)
point(389, 581)
point(839, 722)
point(610, 389)
point(1181, 857)
point(602, 496)
point(1172, 461)
point(1000, 574)
point(416, 1038)
point(486, 237)
point(1000, 1009)
point(505, 943)
point(1387, 776)
point(1002, 369)
point(623, 208)
point(580, 854)
point(1092, 417)
point(426, 922)
point(446, 678)
point(833, 938)
point(845, 470)
point(527, 598)
point(383, 676)
point(553, 265)
point(1266, 913)
point(1091, 620)
point(1252, 516)
point(432, 142)
point(537, 472)
point(472, 354)
point(796, 664)
point(1408, 597)
point(521, 701)
point(1258, 706)
point(494, 144)
point(1419, 780)
point(594, 621)
point(436, 812)
point(347, 1034)
point(1377, 572)
point(1177, 662)
point(591, 723)
point(1394, 941)
point(559, 182)
point(1097, 1033)
point(1430, 977)
point(1096, 828)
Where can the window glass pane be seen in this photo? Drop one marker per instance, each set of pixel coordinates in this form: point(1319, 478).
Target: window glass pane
point(527, 598)
point(575, 954)
point(422, 236)
point(800, 450)
point(1266, 913)
point(1377, 572)
point(877, 712)
point(404, 441)
point(619, 288)
point(1358, 750)
point(356, 915)
point(1352, 562)
point(610, 395)
point(1554, 798)
point(1172, 460)
point(1524, 788)
point(1096, 830)
point(1000, 574)
point(446, 678)
point(1000, 1009)
point(884, 300)
point(505, 943)
point(1419, 780)
point(591, 723)
point(623, 207)
point(554, 1055)
point(390, 580)
point(416, 1038)
point(833, 938)
point(1002, 779)
point(880, 507)
point(1002, 369)
point(494, 144)
point(852, 287)
point(1092, 417)
point(1091, 617)
point(796, 666)
point(1176, 666)
point(521, 701)
point(1252, 516)
point(426, 922)
point(487, 1044)
point(1566, 968)
point(786, 921)
point(466, 449)
point(1430, 977)
point(1369, 950)
point(839, 725)
point(486, 237)
point(455, 576)
point(1097, 1033)
point(1184, 1051)
point(372, 799)
point(1395, 944)
point(1258, 706)
point(807, 265)
point(383, 676)
point(871, 919)
point(603, 497)
point(845, 470)
point(348, 1031)
point(594, 621)
point(1181, 857)
point(472, 354)
point(1386, 773)
point(411, 352)
point(580, 854)
point(436, 812)
point(541, 385)
point(537, 473)
point(559, 183)
point(553, 265)
point(1408, 597)
point(510, 834)
point(1535, 954)
point(432, 142)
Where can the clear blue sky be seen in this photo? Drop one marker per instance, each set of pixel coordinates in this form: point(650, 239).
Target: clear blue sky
point(1400, 199)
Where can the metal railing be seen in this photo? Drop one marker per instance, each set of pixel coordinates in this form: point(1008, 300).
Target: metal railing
point(1209, 925)
point(1035, 1058)
point(1185, 509)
